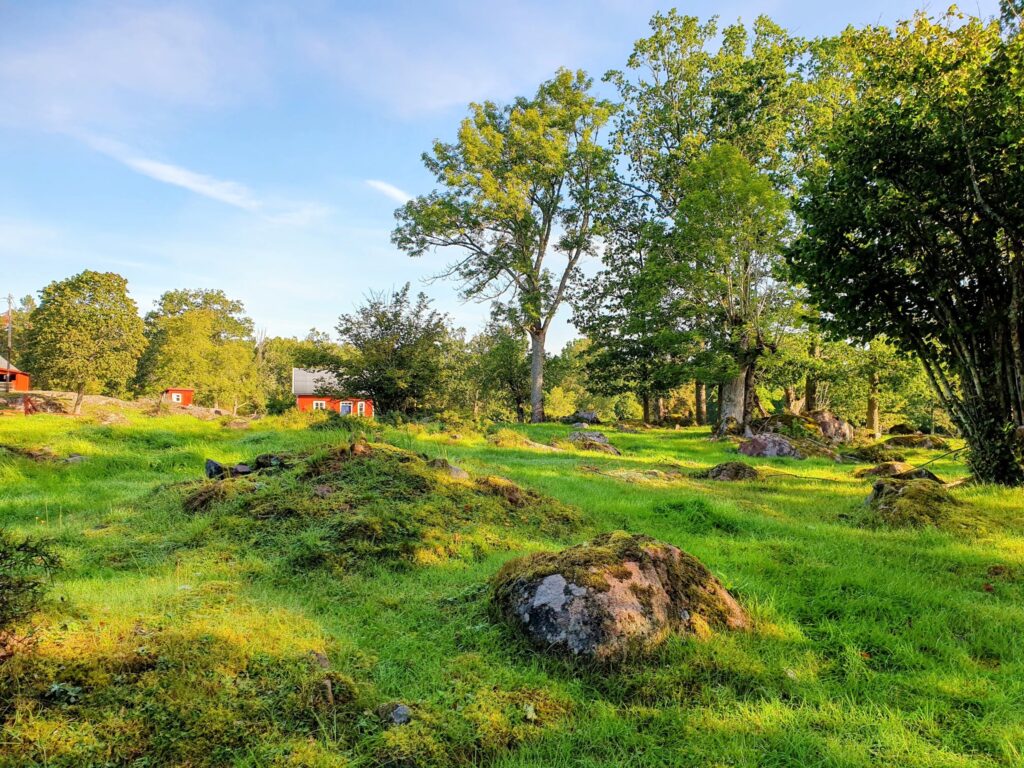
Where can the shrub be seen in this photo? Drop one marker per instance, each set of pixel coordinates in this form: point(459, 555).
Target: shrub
point(24, 567)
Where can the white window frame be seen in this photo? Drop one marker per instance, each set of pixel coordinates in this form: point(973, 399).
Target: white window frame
point(319, 405)
point(342, 410)
point(176, 397)
point(361, 408)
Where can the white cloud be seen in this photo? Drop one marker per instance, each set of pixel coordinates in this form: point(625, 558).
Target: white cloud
point(103, 63)
point(228, 192)
point(390, 190)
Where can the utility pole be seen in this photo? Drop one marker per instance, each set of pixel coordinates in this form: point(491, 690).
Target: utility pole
point(10, 328)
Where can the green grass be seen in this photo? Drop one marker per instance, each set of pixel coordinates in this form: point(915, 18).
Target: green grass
point(185, 639)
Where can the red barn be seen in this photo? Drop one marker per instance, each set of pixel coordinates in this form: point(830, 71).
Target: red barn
point(179, 395)
point(307, 386)
point(11, 379)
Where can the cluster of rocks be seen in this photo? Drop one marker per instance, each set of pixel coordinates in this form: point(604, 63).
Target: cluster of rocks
point(582, 419)
point(616, 596)
point(266, 461)
point(731, 471)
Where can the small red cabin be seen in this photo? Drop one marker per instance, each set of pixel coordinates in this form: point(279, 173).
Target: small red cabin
point(12, 379)
point(307, 386)
point(179, 396)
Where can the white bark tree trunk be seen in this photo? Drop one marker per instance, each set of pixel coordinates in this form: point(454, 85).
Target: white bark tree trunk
point(537, 376)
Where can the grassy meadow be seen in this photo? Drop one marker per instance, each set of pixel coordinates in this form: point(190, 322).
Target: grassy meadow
point(255, 632)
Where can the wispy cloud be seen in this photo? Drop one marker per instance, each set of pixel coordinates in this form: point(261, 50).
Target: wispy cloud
point(224, 191)
point(390, 190)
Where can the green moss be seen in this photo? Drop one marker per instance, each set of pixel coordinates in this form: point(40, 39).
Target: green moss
point(911, 503)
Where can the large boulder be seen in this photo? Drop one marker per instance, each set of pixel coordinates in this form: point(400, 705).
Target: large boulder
point(618, 595)
point(833, 428)
point(902, 429)
point(732, 470)
point(592, 441)
point(910, 503)
point(788, 423)
point(769, 445)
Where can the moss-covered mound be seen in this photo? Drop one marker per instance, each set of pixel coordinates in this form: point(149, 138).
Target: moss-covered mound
point(615, 596)
point(911, 503)
point(925, 442)
point(363, 504)
point(790, 424)
point(876, 453)
point(885, 469)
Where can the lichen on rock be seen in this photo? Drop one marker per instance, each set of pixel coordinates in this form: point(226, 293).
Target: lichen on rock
point(616, 596)
point(911, 503)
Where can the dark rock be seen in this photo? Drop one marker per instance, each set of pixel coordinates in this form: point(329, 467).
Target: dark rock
point(395, 714)
point(733, 470)
point(215, 470)
point(769, 445)
point(613, 597)
point(592, 441)
point(240, 470)
point(902, 429)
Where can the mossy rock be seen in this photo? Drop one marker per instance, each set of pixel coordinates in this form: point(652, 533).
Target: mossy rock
point(592, 441)
point(911, 503)
point(885, 469)
point(790, 424)
point(732, 470)
point(616, 596)
point(925, 442)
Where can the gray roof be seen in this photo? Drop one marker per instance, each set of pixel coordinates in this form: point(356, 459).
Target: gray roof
point(306, 382)
point(4, 365)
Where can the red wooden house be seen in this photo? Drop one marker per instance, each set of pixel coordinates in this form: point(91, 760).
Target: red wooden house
point(308, 388)
point(179, 395)
point(12, 379)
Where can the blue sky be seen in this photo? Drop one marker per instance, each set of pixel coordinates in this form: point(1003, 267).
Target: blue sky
point(262, 147)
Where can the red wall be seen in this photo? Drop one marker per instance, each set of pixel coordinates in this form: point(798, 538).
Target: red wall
point(186, 396)
point(20, 383)
point(305, 403)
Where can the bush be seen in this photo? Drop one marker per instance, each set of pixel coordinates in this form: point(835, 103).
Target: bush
point(24, 567)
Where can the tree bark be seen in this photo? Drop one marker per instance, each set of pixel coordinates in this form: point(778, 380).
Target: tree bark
point(873, 422)
point(537, 375)
point(732, 403)
point(811, 384)
point(645, 400)
point(79, 397)
point(700, 403)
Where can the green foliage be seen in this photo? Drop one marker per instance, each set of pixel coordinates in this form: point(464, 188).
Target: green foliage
point(203, 340)
point(86, 335)
point(25, 565)
point(521, 183)
point(21, 324)
point(915, 212)
point(395, 343)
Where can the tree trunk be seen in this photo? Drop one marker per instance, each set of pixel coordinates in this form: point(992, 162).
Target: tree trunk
point(811, 384)
point(994, 455)
point(732, 403)
point(752, 403)
point(662, 410)
point(79, 397)
point(537, 376)
point(873, 422)
point(700, 403)
point(789, 398)
point(645, 400)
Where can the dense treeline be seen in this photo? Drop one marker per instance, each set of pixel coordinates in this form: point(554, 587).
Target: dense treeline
point(779, 223)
